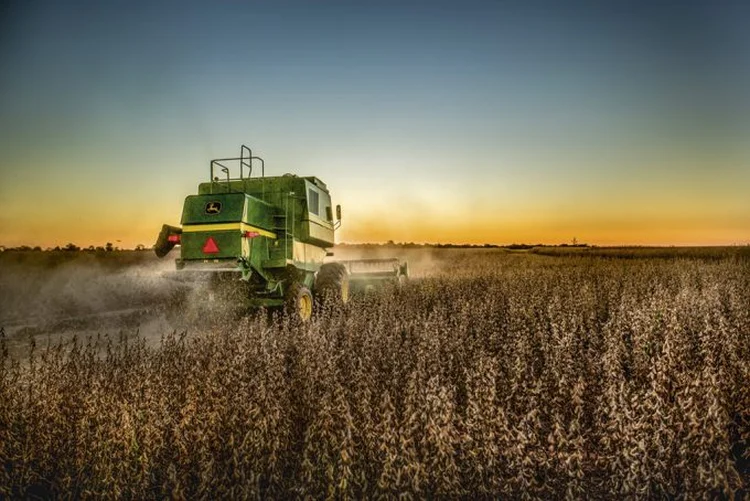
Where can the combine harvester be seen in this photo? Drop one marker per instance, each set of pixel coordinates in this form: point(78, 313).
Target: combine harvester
point(262, 241)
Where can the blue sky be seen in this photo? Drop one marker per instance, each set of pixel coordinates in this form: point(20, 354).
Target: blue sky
point(614, 122)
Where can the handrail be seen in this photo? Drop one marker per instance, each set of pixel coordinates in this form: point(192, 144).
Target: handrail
point(249, 163)
point(245, 160)
point(217, 161)
point(262, 165)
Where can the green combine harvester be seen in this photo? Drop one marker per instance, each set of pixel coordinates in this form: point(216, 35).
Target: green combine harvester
point(262, 241)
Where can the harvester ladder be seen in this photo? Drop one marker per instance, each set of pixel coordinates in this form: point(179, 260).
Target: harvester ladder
point(281, 229)
point(281, 222)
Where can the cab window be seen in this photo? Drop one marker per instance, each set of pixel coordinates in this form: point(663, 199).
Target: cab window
point(325, 209)
point(313, 201)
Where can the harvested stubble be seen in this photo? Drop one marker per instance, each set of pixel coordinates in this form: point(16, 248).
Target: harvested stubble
point(502, 375)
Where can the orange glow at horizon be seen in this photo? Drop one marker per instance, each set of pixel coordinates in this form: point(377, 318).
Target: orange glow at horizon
point(125, 232)
point(603, 233)
point(423, 207)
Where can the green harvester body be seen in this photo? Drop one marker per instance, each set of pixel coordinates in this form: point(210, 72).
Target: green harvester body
point(270, 233)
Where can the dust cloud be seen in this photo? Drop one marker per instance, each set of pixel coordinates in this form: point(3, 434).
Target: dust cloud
point(48, 297)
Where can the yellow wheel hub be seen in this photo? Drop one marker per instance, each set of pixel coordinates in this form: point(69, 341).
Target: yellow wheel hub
point(305, 307)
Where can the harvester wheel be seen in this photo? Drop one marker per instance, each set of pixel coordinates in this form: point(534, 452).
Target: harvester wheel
point(299, 302)
point(332, 284)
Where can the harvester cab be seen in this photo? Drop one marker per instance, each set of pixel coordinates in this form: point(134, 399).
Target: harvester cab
point(267, 237)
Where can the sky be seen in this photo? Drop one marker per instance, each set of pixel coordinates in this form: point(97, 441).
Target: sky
point(612, 123)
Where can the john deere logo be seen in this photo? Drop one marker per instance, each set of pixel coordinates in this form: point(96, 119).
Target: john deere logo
point(213, 207)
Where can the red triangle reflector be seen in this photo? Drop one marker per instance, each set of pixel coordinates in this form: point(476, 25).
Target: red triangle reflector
point(210, 246)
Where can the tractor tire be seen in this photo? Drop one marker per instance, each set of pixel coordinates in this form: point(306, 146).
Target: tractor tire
point(332, 285)
point(299, 302)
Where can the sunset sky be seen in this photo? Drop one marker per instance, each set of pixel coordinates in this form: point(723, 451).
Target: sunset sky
point(468, 122)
